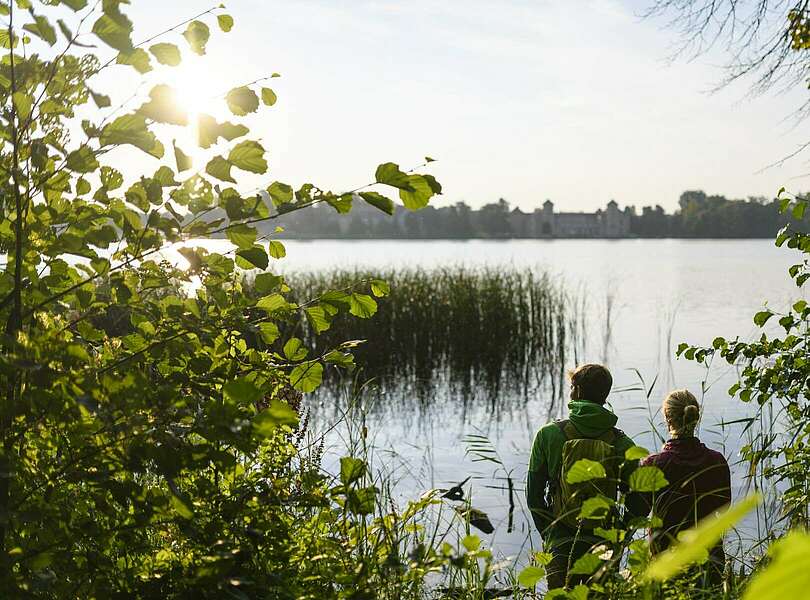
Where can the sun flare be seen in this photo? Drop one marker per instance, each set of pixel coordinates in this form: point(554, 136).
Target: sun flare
point(195, 93)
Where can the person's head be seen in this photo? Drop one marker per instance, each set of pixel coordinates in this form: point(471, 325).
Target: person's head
point(590, 382)
point(682, 412)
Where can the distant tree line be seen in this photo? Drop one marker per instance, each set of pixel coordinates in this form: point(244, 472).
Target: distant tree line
point(702, 216)
point(699, 215)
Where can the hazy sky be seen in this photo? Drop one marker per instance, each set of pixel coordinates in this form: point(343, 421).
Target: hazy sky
point(572, 100)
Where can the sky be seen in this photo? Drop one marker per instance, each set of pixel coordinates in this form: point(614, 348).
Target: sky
point(575, 101)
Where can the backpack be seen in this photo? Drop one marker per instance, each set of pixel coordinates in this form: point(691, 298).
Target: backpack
point(568, 498)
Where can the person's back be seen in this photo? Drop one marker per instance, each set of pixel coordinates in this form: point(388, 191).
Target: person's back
point(589, 422)
point(699, 479)
point(699, 485)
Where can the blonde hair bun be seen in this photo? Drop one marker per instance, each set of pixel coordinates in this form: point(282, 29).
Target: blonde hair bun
point(682, 412)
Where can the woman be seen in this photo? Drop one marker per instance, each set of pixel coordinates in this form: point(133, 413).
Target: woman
point(699, 479)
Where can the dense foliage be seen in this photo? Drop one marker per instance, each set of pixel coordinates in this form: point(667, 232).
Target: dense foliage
point(146, 449)
point(775, 377)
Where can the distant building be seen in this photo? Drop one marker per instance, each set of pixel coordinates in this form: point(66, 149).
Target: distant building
point(494, 221)
point(608, 223)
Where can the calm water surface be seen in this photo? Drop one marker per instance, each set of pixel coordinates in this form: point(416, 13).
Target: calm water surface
point(642, 298)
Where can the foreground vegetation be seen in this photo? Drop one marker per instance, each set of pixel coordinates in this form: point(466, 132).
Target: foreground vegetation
point(169, 456)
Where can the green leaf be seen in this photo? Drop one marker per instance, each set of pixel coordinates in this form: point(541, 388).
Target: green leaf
point(100, 100)
point(647, 479)
point(166, 54)
point(530, 576)
point(197, 34)
point(471, 542)
point(241, 391)
point(362, 501)
point(269, 332)
point(787, 575)
point(42, 28)
point(762, 317)
point(75, 5)
point(137, 58)
point(272, 303)
point(798, 210)
point(280, 193)
point(276, 249)
point(362, 305)
point(82, 160)
point(380, 288)
point(220, 168)
point(390, 174)
point(419, 195)
point(182, 159)
point(379, 201)
point(82, 187)
point(264, 283)
point(586, 565)
point(248, 156)
point(268, 96)
point(256, 256)
point(342, 203)
point(294, 349)
point(319, 318)
point(242, 236)
point(111, 179)
point(114, 31)
point(131, 129)
point(23, 104)
point(209, 131)
point(694, 543)
point(595, 508)
point(351, 469)
point(585, 470)
point(307, 377)
point(242, 100)
point(341, 359)
point(277, 414)
point(636, 453)
point(225, 22)
point(163, 107)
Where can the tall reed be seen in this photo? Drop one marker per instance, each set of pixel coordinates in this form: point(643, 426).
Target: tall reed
point(472, 334)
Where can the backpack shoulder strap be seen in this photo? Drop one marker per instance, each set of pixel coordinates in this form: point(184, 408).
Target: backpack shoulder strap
point(611, 436)
point(568, 430)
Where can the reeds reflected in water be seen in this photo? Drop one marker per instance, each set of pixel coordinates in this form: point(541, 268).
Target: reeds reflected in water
point(492, 336)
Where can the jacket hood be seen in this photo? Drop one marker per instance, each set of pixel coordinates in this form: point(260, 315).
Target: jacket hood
point(589, 418)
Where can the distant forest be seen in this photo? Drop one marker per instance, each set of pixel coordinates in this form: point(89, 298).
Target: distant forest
point(698, 216)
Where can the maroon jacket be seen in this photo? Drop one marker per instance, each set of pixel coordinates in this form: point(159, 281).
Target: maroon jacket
point(699, 484)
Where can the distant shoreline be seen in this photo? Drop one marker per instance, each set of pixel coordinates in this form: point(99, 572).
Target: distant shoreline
point(282, 236)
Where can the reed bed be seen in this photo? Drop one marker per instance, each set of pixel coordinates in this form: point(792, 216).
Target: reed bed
point(455, 332)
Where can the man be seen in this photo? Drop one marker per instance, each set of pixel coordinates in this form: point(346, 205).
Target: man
point(590, 433)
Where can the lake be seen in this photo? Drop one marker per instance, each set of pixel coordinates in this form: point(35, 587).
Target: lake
point(642, 298)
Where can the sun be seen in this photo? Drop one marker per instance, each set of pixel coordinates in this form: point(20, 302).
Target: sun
point(195, 93)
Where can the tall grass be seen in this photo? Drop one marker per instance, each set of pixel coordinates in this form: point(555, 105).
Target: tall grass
point(469, 334)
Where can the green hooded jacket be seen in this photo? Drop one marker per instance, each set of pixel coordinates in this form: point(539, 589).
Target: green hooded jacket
point(591, 420)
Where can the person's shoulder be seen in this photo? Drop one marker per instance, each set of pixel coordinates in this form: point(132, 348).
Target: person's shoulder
point(551, 431)
point(552, 428)
point(653, 460)
point(716, 457)
point(623, 441)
